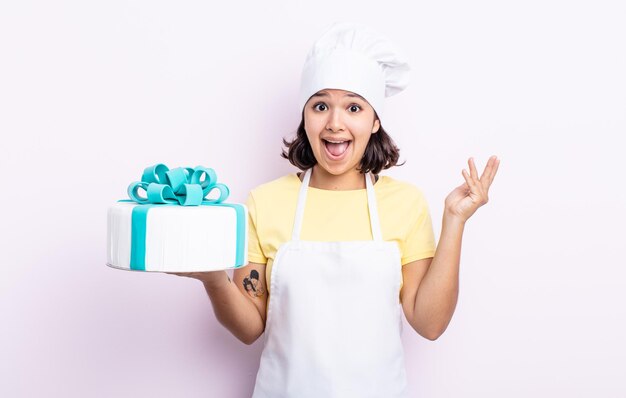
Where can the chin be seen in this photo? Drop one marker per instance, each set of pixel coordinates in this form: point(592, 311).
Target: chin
point(338, 170)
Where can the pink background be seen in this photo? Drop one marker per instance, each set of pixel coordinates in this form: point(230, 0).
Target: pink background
point(93, 92)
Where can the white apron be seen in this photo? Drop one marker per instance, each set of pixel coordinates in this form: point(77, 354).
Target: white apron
point(334, 317)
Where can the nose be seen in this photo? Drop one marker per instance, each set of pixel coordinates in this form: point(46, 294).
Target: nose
point(334, 122)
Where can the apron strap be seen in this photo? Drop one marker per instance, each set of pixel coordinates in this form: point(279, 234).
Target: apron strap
point(371, 204)
point(297, 226)
point(373, 209)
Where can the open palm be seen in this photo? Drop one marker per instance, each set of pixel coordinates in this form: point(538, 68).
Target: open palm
point(465, 199)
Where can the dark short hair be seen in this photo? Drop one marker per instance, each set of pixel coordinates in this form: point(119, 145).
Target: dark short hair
point(381, 152)
point(254, 274)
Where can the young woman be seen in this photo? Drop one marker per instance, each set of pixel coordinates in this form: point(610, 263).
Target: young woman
point(337, 252)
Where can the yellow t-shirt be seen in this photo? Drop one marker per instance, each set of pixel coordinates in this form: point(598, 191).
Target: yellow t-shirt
point(337, 216)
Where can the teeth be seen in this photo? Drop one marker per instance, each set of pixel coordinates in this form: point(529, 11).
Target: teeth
point(336, 142)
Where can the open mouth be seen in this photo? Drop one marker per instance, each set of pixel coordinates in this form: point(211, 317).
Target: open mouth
point(336, 149)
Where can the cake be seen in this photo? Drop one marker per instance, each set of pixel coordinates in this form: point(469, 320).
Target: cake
point(174, 227)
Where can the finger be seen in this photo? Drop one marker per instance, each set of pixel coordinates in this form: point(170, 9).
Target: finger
point(472, 167)
point(470, 182)
point(494, 169)
point(487, 176)
point(488, 168)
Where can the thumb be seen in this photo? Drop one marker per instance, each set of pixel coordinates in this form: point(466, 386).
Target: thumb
point(462, 188)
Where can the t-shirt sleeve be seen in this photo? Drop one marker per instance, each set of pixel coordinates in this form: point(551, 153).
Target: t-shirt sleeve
point(420, 240)
point(255, 253)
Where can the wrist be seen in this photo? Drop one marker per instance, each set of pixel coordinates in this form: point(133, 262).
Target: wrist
point(453, 220)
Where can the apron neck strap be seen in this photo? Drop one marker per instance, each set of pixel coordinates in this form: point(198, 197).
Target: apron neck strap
point(373, 209)
point(371, 204)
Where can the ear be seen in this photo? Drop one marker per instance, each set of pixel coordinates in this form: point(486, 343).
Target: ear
point(376, 126)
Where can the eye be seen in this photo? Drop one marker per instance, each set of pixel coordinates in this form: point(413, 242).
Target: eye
point(320, 106)
point(354, 108)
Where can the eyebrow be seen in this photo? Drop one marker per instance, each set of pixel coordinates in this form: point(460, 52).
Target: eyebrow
point(347, 95)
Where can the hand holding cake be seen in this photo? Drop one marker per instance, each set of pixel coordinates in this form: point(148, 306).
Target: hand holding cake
point(210, 278)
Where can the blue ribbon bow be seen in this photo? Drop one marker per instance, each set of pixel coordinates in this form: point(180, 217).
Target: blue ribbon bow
point(183, 186)
point(180, 186)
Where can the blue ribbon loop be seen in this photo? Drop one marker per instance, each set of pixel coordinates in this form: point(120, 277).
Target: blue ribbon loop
point(183, 186)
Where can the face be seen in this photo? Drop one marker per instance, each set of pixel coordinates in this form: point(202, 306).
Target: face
point(339, 124)
point(247, 284)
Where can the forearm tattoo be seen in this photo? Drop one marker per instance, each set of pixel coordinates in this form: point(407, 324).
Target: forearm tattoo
point(253, 285)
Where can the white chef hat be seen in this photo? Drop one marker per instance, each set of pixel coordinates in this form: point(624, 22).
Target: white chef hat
point(352, 57)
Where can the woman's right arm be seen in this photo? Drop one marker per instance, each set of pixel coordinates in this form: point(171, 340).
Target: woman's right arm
point(242, 313)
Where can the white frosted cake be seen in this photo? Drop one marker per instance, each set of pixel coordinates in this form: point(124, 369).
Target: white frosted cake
point(169, 237)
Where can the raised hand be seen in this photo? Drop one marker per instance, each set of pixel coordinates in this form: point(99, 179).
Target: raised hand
point(465, 199)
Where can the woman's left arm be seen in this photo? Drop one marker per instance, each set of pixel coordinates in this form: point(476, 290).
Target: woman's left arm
point(431, 286)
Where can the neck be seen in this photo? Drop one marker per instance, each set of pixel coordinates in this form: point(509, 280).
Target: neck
point(322, 179)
